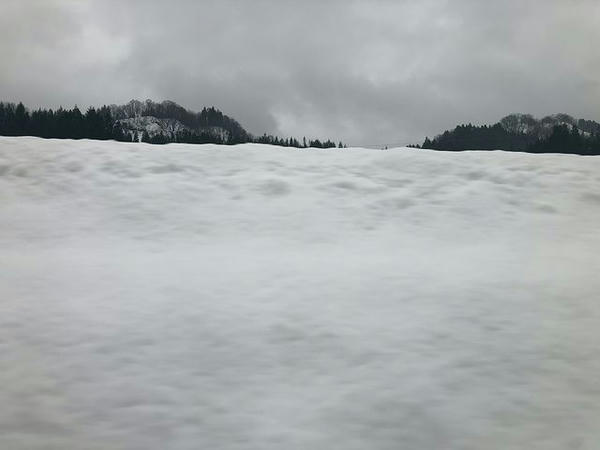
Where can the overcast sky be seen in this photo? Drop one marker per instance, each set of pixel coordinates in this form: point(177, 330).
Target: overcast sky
point(366, 72)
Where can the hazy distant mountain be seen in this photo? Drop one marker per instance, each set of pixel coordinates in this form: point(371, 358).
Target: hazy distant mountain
point(168, 119)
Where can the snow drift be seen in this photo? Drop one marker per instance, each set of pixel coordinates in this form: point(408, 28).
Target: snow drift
point(253, 297)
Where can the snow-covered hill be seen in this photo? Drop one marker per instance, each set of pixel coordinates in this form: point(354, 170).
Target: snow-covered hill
point(168, 119)
point(252, 297)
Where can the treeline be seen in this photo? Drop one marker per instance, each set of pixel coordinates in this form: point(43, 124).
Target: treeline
point(568, 140)
point(110, 123)
point(469, 137)
point(562, 138)
point(16, 120)
point(182, 137)
point(293, 142)
point(193, 137)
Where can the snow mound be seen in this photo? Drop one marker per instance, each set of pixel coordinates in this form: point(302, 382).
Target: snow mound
point(253, 297)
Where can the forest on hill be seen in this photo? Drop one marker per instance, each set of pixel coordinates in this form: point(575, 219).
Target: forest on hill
point(151, 122)
point(167, 122)
point(559, 133)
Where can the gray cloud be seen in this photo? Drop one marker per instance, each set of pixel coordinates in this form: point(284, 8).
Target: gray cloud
point(367, 72)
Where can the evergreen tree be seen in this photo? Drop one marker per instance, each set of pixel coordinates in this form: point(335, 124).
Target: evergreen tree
point(21, 126)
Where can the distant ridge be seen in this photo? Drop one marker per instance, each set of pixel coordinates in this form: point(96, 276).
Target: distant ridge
point(167, 119)
point(139, 121)
point(558, 133)
point(542, 128)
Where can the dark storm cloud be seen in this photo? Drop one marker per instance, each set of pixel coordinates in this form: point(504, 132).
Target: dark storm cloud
point(367, 72)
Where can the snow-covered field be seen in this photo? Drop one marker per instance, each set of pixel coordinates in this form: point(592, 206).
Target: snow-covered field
point(251, 297)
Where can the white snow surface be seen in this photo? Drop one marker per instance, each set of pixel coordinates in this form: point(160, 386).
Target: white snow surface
point(254, 297)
